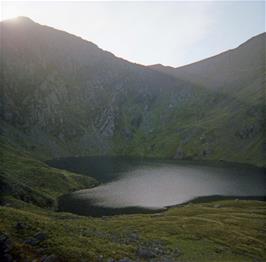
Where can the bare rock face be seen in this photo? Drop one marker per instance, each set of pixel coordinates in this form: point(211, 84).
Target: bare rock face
point(106, 123)
point(247, 132)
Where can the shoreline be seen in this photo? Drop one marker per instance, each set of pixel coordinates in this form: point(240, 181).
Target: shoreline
point(101, 211)
point(197, 162)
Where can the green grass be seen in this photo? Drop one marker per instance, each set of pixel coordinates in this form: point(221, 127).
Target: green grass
point(219, 231)
point(217, 117)
point(31, 180)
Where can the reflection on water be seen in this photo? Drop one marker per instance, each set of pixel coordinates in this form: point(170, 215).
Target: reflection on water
point(164, 186)
point(156, 185)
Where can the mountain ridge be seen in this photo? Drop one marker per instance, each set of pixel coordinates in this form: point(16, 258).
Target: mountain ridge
point(250, 53)
point(255, 37)
point(63, 96)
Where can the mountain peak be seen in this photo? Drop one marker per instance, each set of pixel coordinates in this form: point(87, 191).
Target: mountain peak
point(24, 19)
point(19, 20)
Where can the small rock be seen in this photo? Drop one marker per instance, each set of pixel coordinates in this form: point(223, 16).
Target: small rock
point(177, 252)
point(40, 236)
point(134, 237)
point(31, 241)
point(20, 226)
point(145, 253)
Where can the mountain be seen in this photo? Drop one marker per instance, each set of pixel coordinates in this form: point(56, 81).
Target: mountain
point(64, 96)
point(239, 72)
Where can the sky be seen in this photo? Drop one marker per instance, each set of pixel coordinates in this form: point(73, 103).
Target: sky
point(171, 33)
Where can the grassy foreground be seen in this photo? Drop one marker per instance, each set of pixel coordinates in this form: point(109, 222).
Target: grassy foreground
point(218, 231)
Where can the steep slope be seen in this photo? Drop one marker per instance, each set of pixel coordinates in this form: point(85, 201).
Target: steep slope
point(62, 95)
point(57, 85)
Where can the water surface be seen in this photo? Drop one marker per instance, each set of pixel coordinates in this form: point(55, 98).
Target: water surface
point(131, 186)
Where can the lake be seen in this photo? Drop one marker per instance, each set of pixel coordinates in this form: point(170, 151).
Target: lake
point(146, 186)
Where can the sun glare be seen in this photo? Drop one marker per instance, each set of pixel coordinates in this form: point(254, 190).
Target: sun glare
point(9, 13)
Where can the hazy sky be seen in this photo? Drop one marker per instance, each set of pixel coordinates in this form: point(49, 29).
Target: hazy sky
point(170, 33)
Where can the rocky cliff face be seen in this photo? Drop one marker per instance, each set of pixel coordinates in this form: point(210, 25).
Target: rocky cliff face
point(62, 95)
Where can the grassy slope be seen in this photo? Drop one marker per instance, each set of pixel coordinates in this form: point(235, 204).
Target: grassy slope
point(221, 231)
point(195, 130)
point(31, 180)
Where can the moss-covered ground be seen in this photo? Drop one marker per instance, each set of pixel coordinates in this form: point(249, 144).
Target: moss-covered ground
point(218, 231)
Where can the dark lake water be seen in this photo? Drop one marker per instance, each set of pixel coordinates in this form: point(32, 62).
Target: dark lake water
point(133, 185)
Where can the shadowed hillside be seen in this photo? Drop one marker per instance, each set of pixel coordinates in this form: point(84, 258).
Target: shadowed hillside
point(63, 96)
